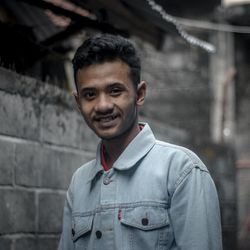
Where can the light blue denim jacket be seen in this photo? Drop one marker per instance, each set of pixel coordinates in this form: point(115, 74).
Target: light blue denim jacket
point(156, 196)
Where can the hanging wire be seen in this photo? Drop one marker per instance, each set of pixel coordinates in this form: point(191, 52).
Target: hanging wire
point(189, 38)
point(213, 26)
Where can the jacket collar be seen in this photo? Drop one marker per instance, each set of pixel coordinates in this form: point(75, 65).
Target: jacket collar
point(134, 152)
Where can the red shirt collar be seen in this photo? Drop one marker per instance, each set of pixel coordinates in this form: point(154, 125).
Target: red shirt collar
point(103, 161)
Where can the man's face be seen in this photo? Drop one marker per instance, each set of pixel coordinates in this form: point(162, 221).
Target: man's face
point(108, 100)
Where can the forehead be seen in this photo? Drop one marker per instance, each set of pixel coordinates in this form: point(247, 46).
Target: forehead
point(115, 71)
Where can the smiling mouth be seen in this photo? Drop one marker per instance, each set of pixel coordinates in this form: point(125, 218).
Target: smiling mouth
point(106, 118)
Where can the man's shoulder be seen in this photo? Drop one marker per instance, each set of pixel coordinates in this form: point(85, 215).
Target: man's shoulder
point(179, 153)
point(171, 147)
point(86, 165)
point(181, 162)
point(85, 168)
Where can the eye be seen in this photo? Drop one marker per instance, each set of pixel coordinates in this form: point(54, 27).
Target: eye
point(115, 91)
point(89, 95)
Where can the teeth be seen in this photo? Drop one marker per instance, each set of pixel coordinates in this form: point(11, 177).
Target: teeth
point(106, 119)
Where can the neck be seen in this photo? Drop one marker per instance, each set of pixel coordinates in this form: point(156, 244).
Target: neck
point(115, 147)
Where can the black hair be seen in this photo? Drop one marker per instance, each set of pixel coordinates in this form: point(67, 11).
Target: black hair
point(107, 48)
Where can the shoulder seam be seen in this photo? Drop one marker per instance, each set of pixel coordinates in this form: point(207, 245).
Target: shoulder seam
point(180, 148)
point(185, 173)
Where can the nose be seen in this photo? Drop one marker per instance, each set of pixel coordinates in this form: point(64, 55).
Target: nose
point(104, 104)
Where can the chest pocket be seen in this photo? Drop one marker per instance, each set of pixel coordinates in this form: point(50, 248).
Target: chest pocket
point(81, 228)
point(145, 227)
point(145, 218)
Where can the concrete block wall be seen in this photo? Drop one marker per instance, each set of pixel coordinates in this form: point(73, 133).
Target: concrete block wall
point(178, 89)
point(243, 154)
point(43, 140)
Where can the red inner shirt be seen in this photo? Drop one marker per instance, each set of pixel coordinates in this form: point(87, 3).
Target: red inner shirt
point(103, 161)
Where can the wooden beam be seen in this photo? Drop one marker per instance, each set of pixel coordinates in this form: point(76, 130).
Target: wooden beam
point(82, 20)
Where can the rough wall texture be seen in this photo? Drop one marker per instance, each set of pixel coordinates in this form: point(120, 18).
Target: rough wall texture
point(243, 139)
point(43, 139)
point(178, 89)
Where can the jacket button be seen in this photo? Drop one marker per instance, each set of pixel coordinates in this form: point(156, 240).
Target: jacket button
point(144, 221)
point(73, 232)
point(98, 234)
point(106, 180)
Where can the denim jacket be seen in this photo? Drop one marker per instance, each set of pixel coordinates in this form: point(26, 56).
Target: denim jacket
point(156, 196)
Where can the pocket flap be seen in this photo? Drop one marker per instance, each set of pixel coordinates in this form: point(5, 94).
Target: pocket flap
point(81, 225)
point(145, 218)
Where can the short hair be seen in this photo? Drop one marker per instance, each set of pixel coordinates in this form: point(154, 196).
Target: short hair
point(107, 48)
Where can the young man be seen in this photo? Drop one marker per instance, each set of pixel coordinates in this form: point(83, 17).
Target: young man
point(139, 193)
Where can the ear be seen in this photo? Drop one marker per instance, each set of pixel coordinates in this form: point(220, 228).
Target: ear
point(141, 93)
point(75, 94)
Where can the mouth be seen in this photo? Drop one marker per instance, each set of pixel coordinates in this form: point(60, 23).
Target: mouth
point(106, 118)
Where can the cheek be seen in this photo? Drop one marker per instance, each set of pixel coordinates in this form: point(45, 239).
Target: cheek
point(85, 107)
point(130, 108)
point(85, 111)
point(128, 101)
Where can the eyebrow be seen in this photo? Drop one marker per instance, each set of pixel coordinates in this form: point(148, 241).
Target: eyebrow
point(82, 90)
point(109, 85)
point(115, 84)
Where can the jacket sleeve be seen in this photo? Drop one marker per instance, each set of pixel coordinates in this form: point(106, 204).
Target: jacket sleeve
point(195, 212)
point(66, 242)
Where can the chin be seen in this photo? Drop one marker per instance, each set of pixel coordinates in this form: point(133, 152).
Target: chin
point(107, 134)
point(107, 137)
